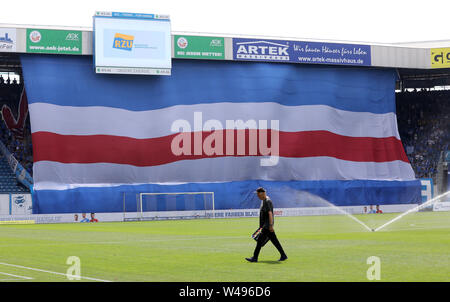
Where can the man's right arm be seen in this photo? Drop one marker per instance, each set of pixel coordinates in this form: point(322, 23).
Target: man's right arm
point(270, 221)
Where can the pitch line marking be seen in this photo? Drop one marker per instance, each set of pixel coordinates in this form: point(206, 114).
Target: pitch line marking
point(16, 276)
point(51, 272)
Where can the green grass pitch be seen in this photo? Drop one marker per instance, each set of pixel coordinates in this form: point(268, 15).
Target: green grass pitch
point(320, 248)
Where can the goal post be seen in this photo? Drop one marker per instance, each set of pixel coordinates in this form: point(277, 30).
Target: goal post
point(175, 205)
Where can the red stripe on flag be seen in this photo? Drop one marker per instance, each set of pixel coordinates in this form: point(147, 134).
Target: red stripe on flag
point(49, 146)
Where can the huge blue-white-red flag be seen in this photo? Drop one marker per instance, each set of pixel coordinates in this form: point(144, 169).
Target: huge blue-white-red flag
point(225, 127)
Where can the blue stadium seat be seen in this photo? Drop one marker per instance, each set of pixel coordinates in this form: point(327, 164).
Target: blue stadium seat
point(8, 181)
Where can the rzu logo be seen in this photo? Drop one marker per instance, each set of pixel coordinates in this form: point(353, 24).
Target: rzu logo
point(122, 41)
point(262, 50)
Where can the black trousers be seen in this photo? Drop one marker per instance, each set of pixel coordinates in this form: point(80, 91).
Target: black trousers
point(262, 240)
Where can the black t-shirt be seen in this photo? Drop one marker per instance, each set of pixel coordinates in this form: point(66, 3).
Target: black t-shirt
point(266, 207)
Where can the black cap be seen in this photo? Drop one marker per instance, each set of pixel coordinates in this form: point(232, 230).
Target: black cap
point(260, 190)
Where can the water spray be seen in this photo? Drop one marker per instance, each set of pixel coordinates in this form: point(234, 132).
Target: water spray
point(354, 218)
point(314, 199)
point(411, 210)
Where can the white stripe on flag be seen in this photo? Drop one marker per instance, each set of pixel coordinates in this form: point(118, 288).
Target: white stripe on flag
point(54, 175)
point(69, 120)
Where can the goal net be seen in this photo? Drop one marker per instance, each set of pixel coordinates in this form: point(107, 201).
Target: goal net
point(173, 205)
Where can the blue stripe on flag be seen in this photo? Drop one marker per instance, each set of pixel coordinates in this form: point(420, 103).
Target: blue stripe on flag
point(233, 195)
point(194, 82)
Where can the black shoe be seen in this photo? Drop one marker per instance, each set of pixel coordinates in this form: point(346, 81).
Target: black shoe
point(282, 258)
point(251, 259)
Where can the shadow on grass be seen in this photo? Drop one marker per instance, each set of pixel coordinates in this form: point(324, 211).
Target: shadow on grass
point(270, 262)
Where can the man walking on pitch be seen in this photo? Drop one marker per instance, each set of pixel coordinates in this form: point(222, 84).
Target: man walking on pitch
point(266, 220)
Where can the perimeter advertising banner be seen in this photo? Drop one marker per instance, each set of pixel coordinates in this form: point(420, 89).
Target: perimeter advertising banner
point(7, 39)
point(440, 57)
point(196, 47)
point(54, 41)
point(301, 52)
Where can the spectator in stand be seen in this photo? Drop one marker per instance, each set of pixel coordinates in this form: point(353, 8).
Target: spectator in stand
point(365, 210)
point(93, 219)
point(75, 217)
point(379, 211)
point(19, 145)
point(371, 210)
point(423, 117)
point(85, 219)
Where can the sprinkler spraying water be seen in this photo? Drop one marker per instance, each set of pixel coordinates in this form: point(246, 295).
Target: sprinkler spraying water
point(412, 210)
point(304, 199)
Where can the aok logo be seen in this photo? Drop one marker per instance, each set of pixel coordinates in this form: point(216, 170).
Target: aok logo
point(262, 50)
point(72, 37)
point(215, 43)
point(122, 41)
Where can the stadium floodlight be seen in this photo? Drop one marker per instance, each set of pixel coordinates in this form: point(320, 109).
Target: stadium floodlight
point(175, 205)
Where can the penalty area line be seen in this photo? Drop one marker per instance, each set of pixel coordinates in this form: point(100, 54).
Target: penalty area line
point(51, 272)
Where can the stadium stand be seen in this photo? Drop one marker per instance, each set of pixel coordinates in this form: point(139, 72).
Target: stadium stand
point(17, 142)
point(423, 120)
point(8, 181)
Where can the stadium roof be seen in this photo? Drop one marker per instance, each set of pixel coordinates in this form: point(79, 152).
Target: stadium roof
point(411, 55)
point(425, 44)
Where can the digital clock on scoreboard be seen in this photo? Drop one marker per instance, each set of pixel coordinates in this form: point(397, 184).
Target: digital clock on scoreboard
point(131, 43)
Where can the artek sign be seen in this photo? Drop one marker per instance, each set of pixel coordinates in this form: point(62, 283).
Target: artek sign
point(301, 52)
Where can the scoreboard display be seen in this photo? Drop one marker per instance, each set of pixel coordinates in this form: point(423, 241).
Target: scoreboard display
point(130, 43)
